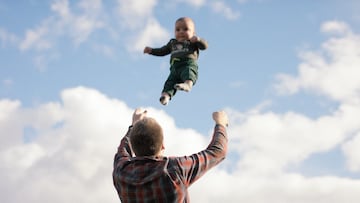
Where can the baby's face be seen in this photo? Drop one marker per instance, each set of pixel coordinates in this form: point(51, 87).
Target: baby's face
point(184, 30)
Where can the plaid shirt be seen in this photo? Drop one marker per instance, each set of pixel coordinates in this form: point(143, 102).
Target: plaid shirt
point(163, 179)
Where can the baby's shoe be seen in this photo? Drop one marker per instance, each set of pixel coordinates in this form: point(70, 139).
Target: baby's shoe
point(183, 86)
point(164, 99)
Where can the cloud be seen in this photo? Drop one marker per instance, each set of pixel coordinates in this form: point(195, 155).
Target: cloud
point(332, 71)
point(134, 13)
point(76, 24)
point(194, 3)
point(352, 151)
point(36, 39)
point(136, 17)
point(153, 34)
point(7, 82)
point(225, 10)
point(7, 38)
point(71, 153)
point(336, 27)
point(266, 136)
point(105, 50)
point(65, 23)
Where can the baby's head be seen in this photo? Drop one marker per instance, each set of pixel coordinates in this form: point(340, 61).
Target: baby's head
point(184, 29)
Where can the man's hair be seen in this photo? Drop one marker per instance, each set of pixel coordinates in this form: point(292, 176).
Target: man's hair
point(146, 137)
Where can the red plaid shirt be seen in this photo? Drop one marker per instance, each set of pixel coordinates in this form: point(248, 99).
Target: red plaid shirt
point(163, 179)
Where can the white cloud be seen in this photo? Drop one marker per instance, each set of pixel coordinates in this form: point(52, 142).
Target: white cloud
point(134, 13)
point(65, 22)
point(71, 154)
point(136, 17)
point(195, 3)
point(41, 61)
point(284, 188)
point(333, 71)
point(269, 142)
point(78, 26)
point(236, 84)
point(36, 39)
point(8, 82)
point(352, 152)
point(335, 27)
point(152, 35)
point(225, 10)
point(106, 50)
point(7, 38)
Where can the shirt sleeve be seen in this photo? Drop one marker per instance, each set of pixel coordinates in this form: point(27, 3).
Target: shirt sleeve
point(202, 44)
point(194, 166)
point(124, 152)
point(162, 51)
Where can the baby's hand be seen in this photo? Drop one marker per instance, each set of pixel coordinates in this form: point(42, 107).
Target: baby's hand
point(147, 50)
point(195, 39)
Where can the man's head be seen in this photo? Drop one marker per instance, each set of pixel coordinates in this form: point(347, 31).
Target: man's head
point(146, 137)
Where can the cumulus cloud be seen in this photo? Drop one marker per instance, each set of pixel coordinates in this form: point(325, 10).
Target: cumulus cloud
point(65, 22)
point(36, 39)
point(69, 157)
point(152, 35)
point(332, 71)
point(134, 13)
point(352, 151)
point(145, 30)
point(131, 21)
point(76, 23)
point(222, 8)
point(7, 82)
point(78, 26)
point(7, 38)
point(335, 27)
point(195, 3)
point(62, 151)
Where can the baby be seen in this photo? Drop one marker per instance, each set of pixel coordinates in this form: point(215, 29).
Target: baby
point(184, 50)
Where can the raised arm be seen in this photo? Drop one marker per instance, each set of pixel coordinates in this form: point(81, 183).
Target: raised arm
point(124, 150)
point(194, 166)
point(201, 43)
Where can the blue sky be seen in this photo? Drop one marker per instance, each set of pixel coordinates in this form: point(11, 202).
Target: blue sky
point(72, 72)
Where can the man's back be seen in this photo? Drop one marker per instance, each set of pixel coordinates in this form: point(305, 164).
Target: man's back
point(150, 179)
point(163, 179)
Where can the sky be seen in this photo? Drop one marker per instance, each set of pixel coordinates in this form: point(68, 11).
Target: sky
point(286, 72)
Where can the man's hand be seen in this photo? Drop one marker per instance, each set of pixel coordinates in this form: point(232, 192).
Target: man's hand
point(138, 115)
point(220, 117)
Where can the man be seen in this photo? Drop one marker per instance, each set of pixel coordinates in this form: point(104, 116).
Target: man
point(142, 174)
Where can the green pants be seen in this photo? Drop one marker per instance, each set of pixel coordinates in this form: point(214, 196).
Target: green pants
point(179, 72)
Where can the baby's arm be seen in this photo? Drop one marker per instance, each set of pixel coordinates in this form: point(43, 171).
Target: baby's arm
point(201, 43)
point(194, 39)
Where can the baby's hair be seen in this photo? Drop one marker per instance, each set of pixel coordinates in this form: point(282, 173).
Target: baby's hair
point(184, 19)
